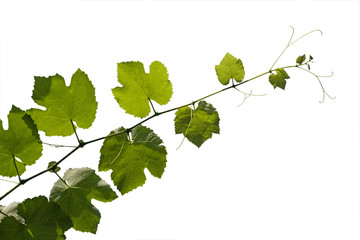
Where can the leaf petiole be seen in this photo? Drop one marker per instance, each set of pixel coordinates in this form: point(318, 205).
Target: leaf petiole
point(17, 171)
point(62, 179)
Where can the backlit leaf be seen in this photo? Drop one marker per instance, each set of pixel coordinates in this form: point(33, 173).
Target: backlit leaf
point(34, 219)
point(139, 87)
point(127, 158)
point(197, 125)
point(19, 141)
point(74, 199)
point(230, 68)
point(278, 79)
point(63, 104)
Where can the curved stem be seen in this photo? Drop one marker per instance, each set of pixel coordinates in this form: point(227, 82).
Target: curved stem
point(321, 85)
point(291, 43)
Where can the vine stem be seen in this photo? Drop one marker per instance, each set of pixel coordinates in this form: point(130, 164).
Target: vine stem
point(82, 144)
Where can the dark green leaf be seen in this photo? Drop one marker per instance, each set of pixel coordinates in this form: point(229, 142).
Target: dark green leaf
point(20, 141)
point(129, 157)
point(278, 79)
point(300, 59)
point(76, 102)
point(230, 67)
point(197, 125)
point(139, 87)
point(74, 199)
point(34, 219)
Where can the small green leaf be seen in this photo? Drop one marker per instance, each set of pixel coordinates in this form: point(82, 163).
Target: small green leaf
point(34, 219)
point(51, 164)
point(300, 59)
point(230, 67)
point(63, 104)
point(138, 87)
point(310, 58)
point(278, 79)
point(129, 157)
point(74, 199)
point(197, 125)
point(20, 141)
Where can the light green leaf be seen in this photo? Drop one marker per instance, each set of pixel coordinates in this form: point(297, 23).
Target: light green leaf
point(20, 141)
point(63, 104)
point(197, 125)
point(230, 67)
point(74, 199)
point(34, 219)
point(139, 87)
point(278, 79)
point(129, 157)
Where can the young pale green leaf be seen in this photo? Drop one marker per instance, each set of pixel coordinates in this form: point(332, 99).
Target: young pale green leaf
point(19, 144)
point(197, 125)
point(230, 67)
point(74, 198)
point(63, 104)
point(138, 87)
point(300, 59)
point(278, 79)
point(34, 219)
point(127, 158)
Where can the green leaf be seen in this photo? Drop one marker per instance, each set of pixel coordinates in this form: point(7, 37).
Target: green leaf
point(300, 59)
point(51, 164)
point(278, 79)
point(230, 67)
point(74, 198)
point(197, 125)
point(129, 157)
point(34, 219)
point(63, 104)
point(138, 87)
point(19, 142)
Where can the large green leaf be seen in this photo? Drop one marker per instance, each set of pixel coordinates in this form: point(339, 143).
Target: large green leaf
point(230, 68)
point(63, 104)
point(197, 125)
point(129, 157)
point(139, 87)
point(74, 197)
point(19, 143)
point(34, 219)
point(279, 79)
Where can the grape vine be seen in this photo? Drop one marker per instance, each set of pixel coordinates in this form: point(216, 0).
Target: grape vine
point(125, 152)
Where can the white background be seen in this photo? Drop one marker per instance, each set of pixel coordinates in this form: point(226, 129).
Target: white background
point(283, 167)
